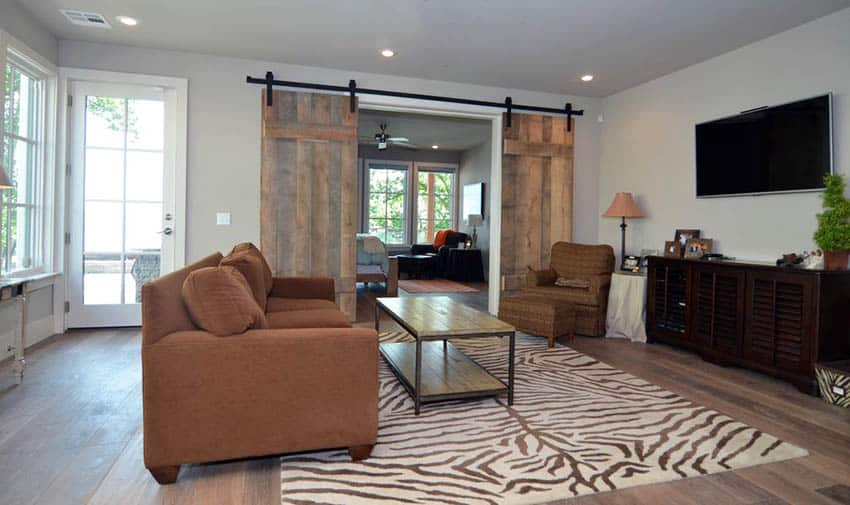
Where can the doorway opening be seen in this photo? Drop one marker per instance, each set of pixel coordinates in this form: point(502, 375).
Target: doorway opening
point(429, 192)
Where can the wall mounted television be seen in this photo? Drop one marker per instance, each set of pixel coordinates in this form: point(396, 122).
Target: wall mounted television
point(782, 149)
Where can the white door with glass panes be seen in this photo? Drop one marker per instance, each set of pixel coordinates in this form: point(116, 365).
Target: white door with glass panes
point(121, 204)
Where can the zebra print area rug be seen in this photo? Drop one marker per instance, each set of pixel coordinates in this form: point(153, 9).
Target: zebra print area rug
point(577, 426)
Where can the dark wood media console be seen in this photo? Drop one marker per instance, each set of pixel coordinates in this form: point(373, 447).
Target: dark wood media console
point(775, 320)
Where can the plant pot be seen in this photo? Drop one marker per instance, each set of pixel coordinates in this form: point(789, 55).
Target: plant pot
point(836, 260)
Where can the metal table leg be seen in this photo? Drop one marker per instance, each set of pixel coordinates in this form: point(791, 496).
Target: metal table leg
point(417, 390)
point(377, 317)
point(511, 351)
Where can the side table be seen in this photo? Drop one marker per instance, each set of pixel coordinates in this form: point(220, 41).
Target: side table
point(465, 265)
point(627, 307)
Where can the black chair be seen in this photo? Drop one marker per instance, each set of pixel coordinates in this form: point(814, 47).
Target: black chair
point(452, 240)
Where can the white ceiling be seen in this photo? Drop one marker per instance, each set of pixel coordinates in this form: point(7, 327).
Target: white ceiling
point(542, 45)
point(451, 134)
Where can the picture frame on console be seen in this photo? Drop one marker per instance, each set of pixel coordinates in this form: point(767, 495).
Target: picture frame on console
point(683, 235)
point(696, 248)
point(672, 249)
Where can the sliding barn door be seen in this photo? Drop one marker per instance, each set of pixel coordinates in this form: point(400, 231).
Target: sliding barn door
point(537, 193)
point(309, 180)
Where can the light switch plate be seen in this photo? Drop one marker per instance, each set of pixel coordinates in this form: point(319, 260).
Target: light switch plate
point(222, 218)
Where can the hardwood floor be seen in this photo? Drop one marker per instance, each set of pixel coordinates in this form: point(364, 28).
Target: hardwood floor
point(71, 433)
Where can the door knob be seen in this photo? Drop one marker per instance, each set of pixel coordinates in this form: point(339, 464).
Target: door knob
point(166, 231)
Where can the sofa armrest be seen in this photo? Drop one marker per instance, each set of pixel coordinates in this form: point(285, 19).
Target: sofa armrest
point(303, 287)
point(536, 278)
point(263, 392)
point(422, 249)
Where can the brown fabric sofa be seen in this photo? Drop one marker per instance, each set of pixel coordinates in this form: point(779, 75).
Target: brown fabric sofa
point(591, 263)
point(309, 382)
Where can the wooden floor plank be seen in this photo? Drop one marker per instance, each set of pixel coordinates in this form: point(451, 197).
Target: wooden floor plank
point(71, 433)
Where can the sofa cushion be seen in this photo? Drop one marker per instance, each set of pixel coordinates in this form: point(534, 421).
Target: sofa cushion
point(163, 310)
point(275, 304)
point(578, 296)
point(251, 248)
point(251, 267)
point(220, 301)
point(440, 238)
point(319, 318)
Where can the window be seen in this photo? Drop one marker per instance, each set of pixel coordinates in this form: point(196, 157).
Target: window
point(408, 202)
point(435, 202)
point(387, 197)
point(21, 208)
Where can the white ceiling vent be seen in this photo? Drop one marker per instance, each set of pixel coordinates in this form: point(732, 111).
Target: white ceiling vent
point(81, 18)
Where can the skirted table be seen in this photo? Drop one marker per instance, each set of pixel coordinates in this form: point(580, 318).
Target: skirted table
point(627, 307)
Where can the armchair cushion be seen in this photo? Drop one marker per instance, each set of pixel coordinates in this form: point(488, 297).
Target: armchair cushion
point(563, 282)
point(220, 301)
point(578, 296)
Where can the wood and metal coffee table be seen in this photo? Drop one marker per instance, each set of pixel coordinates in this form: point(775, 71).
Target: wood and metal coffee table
point(431, 371)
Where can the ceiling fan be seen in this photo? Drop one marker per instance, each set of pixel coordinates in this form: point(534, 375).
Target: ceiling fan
point(384, 139)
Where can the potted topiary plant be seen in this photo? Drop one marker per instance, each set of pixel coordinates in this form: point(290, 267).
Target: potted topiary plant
point(833, 233)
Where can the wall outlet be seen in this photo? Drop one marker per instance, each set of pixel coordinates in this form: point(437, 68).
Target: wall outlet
point(222, 218)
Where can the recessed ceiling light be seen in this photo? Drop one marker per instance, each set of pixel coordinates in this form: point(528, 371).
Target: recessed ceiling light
point(435, 146)
point(587, 78)
point(387, 53)
point(127, 20)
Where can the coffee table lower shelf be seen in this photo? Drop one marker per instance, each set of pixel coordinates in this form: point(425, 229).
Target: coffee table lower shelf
point(446, 374)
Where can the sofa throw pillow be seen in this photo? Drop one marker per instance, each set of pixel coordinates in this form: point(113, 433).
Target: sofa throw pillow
point(252, 249)
point(250, 266)
point(440, 238)
point(572, 283)
point(219, 301)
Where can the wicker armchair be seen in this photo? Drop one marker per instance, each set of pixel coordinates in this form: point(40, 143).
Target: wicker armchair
point(593, 264)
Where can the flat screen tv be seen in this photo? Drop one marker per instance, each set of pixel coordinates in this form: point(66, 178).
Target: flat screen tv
point(786, 148)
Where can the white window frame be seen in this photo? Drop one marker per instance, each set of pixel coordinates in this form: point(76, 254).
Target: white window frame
point(44, 210)
point(407, 200)
point(428, 166)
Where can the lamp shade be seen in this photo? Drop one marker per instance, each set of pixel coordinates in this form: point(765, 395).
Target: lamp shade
point(475, 220)
point(623, 206)
point(5, 182)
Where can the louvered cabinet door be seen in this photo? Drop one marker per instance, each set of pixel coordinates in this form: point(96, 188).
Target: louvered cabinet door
point(780, 320)
point(719, 309)
point(668, 304)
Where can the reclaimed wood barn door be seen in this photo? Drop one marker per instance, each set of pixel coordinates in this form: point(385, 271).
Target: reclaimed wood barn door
point(537, 193)
point(308, 184)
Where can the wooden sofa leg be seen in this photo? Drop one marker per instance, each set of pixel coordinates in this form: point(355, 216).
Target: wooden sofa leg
point(165, 474)
point(551, 341)
point(360, 452)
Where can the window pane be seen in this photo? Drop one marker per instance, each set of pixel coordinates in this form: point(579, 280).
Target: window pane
point(145, 125)
point(21, 165)
point(395, 206)
point(144, 176)
point(442, 207)
point(21, 239)
point(105, 122)
point(377, 180)
point(104, 174)
point(377, 205)
point(144, 220)
point(22, 107)
point(396, 181)
point(103, 223)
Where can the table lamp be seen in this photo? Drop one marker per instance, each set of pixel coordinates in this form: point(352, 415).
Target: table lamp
point(623, 206)
point(475, 220)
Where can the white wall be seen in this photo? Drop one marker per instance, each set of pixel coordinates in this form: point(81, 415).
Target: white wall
point(475, 164)
point(224, 130)
point(21, 25)
point(648, 141)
